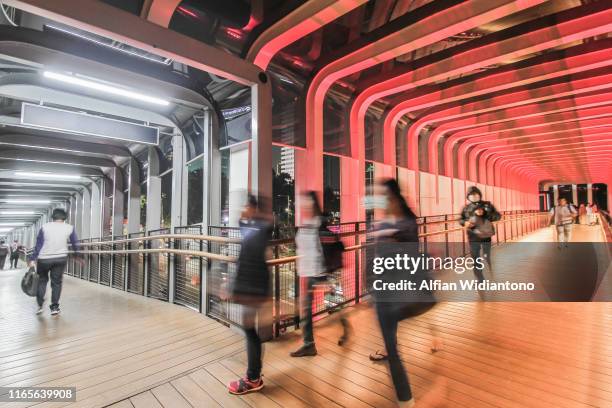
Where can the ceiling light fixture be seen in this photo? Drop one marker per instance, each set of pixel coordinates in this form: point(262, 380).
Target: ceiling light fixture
point(25, 201)
point(12, 224)
point(18, 212)
point(98, 86)
point(46, 175)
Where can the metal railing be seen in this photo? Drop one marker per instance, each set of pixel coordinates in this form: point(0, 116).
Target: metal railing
point(201, 264)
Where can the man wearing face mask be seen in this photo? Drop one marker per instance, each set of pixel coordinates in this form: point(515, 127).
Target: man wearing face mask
point(478, 243)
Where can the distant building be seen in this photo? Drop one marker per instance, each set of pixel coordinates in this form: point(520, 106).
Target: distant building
point(287, 160)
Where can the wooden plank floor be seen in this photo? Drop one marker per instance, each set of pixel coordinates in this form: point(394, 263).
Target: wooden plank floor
point(109, 344)
point(123, 350)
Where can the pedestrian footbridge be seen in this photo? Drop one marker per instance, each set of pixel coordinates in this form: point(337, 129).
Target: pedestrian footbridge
point(122, 349)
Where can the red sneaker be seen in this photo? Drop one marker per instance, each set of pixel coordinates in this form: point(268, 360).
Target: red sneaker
point(244, 385)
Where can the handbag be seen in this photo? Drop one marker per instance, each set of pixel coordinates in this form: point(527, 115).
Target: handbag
point(29, 282)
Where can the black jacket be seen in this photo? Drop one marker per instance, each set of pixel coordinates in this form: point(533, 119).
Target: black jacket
point(490, 213)
point(252, 280)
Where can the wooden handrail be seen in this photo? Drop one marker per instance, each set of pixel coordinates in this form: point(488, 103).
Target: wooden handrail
point(272, 262)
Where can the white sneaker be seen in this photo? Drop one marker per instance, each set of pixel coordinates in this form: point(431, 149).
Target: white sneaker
point(55, 311)
point(39, 310)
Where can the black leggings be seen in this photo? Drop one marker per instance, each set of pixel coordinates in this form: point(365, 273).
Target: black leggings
point(388, 319)
point(249, 317)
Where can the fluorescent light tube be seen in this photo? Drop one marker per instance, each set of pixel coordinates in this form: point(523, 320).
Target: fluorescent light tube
point(98, 86)
point(46, 175)
point(24, 201)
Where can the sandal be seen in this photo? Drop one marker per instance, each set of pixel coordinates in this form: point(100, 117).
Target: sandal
point(378, 356)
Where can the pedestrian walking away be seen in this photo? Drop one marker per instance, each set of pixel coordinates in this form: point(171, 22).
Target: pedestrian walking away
point(50, 257)
point(5, 250)
point(14, 257)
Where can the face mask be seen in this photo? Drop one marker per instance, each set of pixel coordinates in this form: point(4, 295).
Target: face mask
point(375, 202)
point(474, 198)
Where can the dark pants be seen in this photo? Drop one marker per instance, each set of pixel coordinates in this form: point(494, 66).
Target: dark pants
point(475, 249)
point(2, 261)
point(14, 260)
point(388, 320)
point(55, 267)
point(307, 331)
point(249, 318)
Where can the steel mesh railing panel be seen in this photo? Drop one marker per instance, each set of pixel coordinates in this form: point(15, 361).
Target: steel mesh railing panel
point(219, 274)
point(118, 262)
point(158, 267)
point(105, 262)
point(136, 266)
point(188, 269)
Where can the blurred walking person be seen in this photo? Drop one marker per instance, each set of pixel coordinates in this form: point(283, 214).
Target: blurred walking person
point(582, 215)
point(311, 266)
point(478, 217)
point(5, 250)
point(251, 288)
point(563, 216)
point(50, 257)
point(15, 251)
point(397, 234)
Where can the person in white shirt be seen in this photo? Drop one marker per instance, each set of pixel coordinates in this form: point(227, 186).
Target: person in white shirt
point(311, 266)
point(563, 218)
point(50, 257)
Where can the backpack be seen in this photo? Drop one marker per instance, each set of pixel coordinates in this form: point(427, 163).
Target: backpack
point(333, 249)
point(29, 282)
point(482, 229)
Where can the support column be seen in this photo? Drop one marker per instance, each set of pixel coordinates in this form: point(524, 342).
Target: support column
point(86, 211)
point(78, 220)
point(117, 209)
point(96, 210)
point(574, 194)
point(589, 193)
point(261, 144)
point(178, 206)
point(555, 194)
point(133, 210)
point(153, 192)
point(261, 168)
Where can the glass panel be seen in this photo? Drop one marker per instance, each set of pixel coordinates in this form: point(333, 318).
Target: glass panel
point(193, 133)
point(195, 191)
point(600, 196)
point(225, 161)
point(166, 199)
point(166, 151)
point(283, 190)
point(331, 187)
point(369, 185)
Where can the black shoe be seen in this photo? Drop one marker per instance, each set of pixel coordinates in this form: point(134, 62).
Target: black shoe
point(346, 332)
point(305, 351)
point(55, 311)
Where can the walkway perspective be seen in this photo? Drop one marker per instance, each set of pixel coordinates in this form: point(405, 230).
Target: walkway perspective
point(124, 350)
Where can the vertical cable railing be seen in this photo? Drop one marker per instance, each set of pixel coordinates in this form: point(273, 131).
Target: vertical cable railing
point(118, 263)
point(94, 262)
point(148, 273)
point(219, 274)
point(105, 261)
point(136, 265)
point(158, 267)
point(188, 269)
